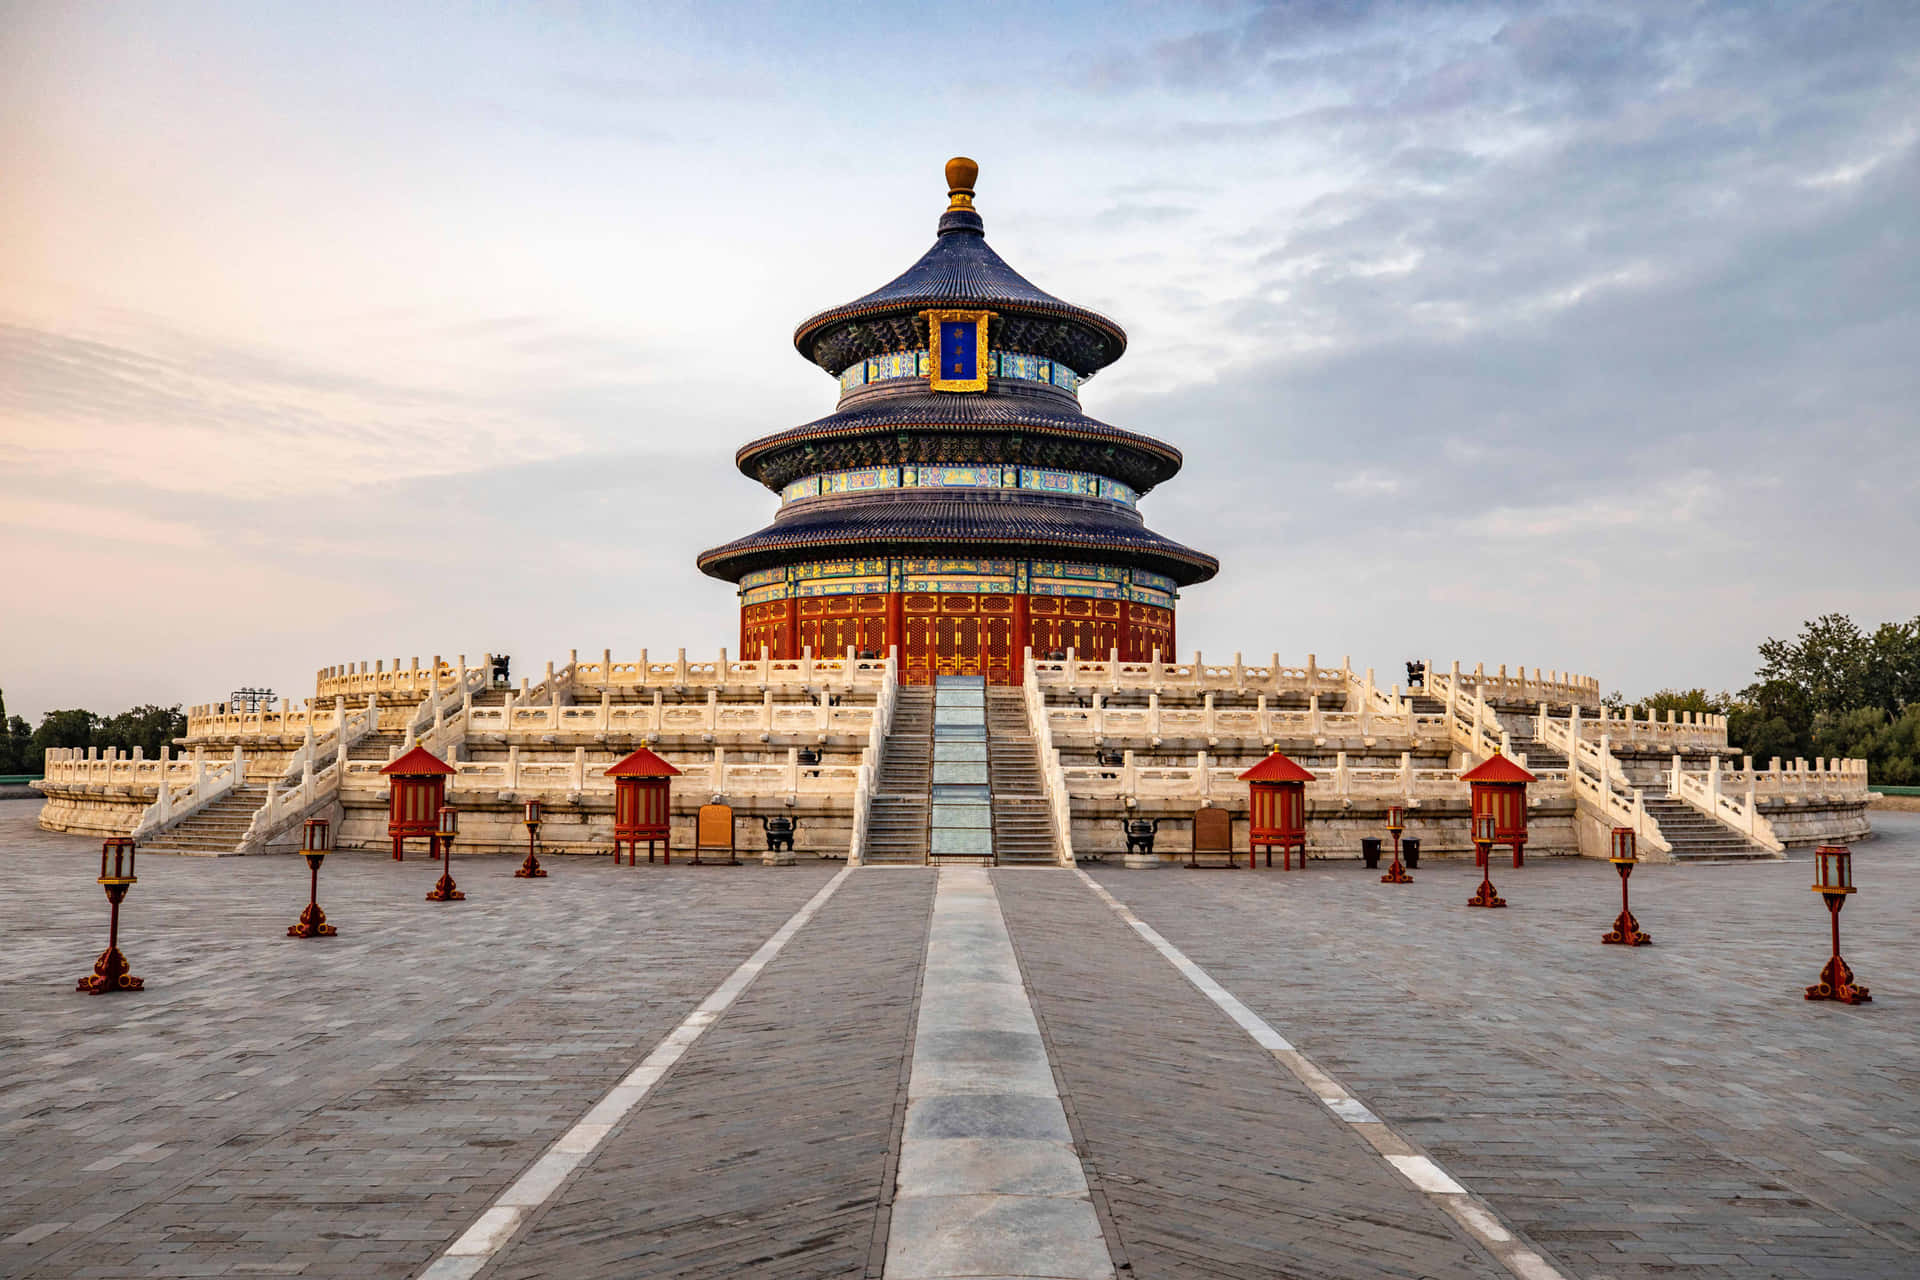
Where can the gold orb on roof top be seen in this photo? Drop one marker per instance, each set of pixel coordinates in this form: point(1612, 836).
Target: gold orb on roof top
point(961, 173)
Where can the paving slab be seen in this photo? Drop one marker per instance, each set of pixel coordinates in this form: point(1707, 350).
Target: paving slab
point(1209, 1157)
point(342, 1105)
point(768, 1150)
point(1637, 1112)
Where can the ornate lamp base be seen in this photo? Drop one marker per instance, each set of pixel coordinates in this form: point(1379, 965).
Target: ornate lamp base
point(1396, 874)
point(1484, 896)
point(1626, 932)
point(444, 890)
point(1836, 983)
point(313, 924)
point(110, 974)
point(530, 869)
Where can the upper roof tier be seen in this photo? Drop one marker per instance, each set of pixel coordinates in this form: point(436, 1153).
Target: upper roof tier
point(961, 270)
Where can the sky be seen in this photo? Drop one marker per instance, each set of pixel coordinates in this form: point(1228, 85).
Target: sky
point(1573, 336)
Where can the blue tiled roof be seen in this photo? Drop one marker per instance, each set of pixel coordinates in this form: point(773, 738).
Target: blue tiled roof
point(974, 523)
point(962, 270)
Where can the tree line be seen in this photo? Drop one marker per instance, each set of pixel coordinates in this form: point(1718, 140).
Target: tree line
point(23, 748)
point(1833, 690)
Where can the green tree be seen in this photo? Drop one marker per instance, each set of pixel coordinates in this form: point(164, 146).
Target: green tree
point(73, 728)
point(1772, 718)
point(18, 735)
point(8, 761)
point(147, 727)
point(1698, 701)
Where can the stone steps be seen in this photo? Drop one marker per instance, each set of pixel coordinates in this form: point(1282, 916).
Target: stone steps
point(1022, 827)
point(1695, 836)
point(214, 830)
point(897, 813)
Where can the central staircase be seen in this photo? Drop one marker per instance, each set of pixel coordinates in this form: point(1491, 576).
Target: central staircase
point(1022, 826)
point(897, 814)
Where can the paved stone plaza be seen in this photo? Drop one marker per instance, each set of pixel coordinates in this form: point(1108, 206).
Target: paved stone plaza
point(1042, 1086)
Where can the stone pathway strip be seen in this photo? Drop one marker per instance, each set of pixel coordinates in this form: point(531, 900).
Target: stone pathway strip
point(1473, 1214)
point(989, 1181)
point(480, 1242)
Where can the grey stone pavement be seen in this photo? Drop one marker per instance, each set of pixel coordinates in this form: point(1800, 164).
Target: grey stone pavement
point(350, 1106)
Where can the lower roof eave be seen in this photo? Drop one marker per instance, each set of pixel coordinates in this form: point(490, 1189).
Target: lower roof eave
point(732, 562)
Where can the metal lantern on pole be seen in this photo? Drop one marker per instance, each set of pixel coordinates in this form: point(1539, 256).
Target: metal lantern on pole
point(1396, 824)
point(446, 828)
point(419, 788)
point(1483, 835)
point(1499, 790)
point(116, 877)
point(316, 841)
point(642, 804)
point(531, 868)
point(1833, 880)
point(1625, 852)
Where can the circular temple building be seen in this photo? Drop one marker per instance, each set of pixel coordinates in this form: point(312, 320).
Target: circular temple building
point(957, 504)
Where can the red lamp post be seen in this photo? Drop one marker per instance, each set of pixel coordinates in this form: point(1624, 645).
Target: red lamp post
point(1626, 930)
point(1833, 880)
point(531, 868)
point(1277, 800)
point(641, 804)
point(1396, 823)
point(1485, 895)
point(419, 790)
point(316, 840)
point(447, 827)
point(1500, 792)
point(116, 877)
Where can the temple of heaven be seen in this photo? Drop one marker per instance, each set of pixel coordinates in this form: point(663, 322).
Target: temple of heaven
point(957, 503)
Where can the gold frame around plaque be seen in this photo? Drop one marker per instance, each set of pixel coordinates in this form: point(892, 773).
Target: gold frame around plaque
point(979, 319)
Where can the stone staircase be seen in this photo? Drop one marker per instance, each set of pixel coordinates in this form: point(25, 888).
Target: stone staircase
point(898, 813)
point(214, 831)
point(1022, 827)
point(1696, 837)
point(1539, 755)
point(378, 745)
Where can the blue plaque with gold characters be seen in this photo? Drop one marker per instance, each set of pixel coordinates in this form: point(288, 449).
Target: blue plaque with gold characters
point(959, 349)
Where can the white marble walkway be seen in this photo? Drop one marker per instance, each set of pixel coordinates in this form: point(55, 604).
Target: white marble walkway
point(989, 1182)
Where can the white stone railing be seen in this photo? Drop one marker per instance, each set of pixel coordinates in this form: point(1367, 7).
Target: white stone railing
point(1099, 723)
point(698, 781)
point(661, 719)
point(1679, 730)
point(1824, 779)
point(1112, 675)
point(1053, 781)
point(1204, 783)
point(844, 674)
point(879, 726)
point(408, 684)
point(1498, 686)
point(215, 721)
point(1472, 724)
point(110, 769)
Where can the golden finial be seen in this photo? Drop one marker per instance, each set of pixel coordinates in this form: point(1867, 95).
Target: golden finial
point(961, 173)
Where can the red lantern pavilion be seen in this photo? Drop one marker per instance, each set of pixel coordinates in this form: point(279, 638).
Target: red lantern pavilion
point(419, 789)
point(1277, 791)
point(1500, 792)
point(958, 505)
point(641, 806)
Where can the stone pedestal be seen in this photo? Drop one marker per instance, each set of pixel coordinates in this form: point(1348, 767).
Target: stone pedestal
point(1140, 861)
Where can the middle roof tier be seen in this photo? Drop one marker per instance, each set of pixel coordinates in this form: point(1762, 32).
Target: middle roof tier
point(1015, 424)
